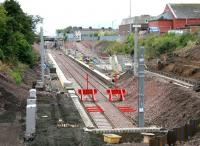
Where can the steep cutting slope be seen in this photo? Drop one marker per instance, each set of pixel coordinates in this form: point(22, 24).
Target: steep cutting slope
point(184, 62)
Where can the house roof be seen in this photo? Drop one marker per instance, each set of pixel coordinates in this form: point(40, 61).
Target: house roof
point(164, 16)
point(185, 10)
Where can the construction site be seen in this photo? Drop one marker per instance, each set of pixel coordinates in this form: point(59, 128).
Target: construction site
point(136, 84)
point(67, 116)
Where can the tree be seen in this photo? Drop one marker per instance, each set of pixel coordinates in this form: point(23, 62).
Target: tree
point(3, 20)
point(36, 20)
point(16, 33)
point(19, 21)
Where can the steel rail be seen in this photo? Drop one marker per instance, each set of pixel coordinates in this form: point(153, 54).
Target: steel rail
point(93, 85)
point(84, 104)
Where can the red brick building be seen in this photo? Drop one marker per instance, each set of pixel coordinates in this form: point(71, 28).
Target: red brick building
point(176, 16)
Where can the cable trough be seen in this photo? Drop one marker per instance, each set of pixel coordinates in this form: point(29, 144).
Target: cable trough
point(180, 81)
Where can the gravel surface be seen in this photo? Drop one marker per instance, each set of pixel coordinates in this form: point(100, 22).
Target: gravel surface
point(111, 112)
point(166, 105)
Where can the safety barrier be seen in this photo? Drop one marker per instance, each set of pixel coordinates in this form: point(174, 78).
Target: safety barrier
point(94, 109)
point(120, 92)
point(88, 92)
point(126, 109)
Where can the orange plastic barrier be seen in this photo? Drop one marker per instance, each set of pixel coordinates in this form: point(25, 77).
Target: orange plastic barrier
point(88, 92)
point(120, 92)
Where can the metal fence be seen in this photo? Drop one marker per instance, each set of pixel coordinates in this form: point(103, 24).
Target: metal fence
point(101, 38)
point(111, 38)
point(180, 134)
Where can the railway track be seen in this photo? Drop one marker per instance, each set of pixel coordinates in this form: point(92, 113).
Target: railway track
point(111, 117)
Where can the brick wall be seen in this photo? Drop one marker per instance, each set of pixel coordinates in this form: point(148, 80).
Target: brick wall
point(164, 25)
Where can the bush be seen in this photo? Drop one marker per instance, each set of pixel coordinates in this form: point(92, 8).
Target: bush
point(185, 38)
point(16, 75)
point(20, 50)
point(17, 72)
point(155, 45)
point(1, 55)
point(17, 33)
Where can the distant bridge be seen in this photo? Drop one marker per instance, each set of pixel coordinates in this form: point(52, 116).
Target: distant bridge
point(49, 38)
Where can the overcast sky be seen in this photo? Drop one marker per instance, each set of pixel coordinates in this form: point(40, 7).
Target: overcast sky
point(95, 13)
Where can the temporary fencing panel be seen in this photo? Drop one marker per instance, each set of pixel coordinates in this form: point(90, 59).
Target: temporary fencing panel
point(179, 134)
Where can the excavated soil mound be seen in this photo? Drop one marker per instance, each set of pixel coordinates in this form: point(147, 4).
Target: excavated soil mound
point(184, 62)
point(12, 106)
point(166, 105)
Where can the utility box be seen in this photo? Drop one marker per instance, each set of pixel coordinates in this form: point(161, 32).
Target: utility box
point(111, 138)
point(30, 120)
point(32, 93)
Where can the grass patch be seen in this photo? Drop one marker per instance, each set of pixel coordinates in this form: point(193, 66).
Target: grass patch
point(4, 67)
point(17, 72)
point(155, 45)
point(16, 75)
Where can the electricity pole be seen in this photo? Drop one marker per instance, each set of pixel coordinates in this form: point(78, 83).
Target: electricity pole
point(42, 54)
point(141, 88)
point(136, 49)
point(135, 52)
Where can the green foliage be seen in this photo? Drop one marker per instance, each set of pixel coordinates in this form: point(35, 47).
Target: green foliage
point(22, 22)
point(96, 34)
point(1, 54)
point(17, 33)
point(16, 75)
point(23, 50)
point(129, 44)
point(3, 20)
point(185, 38)
point(35, 20)
point(115, 47)
point(155, 45)
point(66, 30)
point(17, 72)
